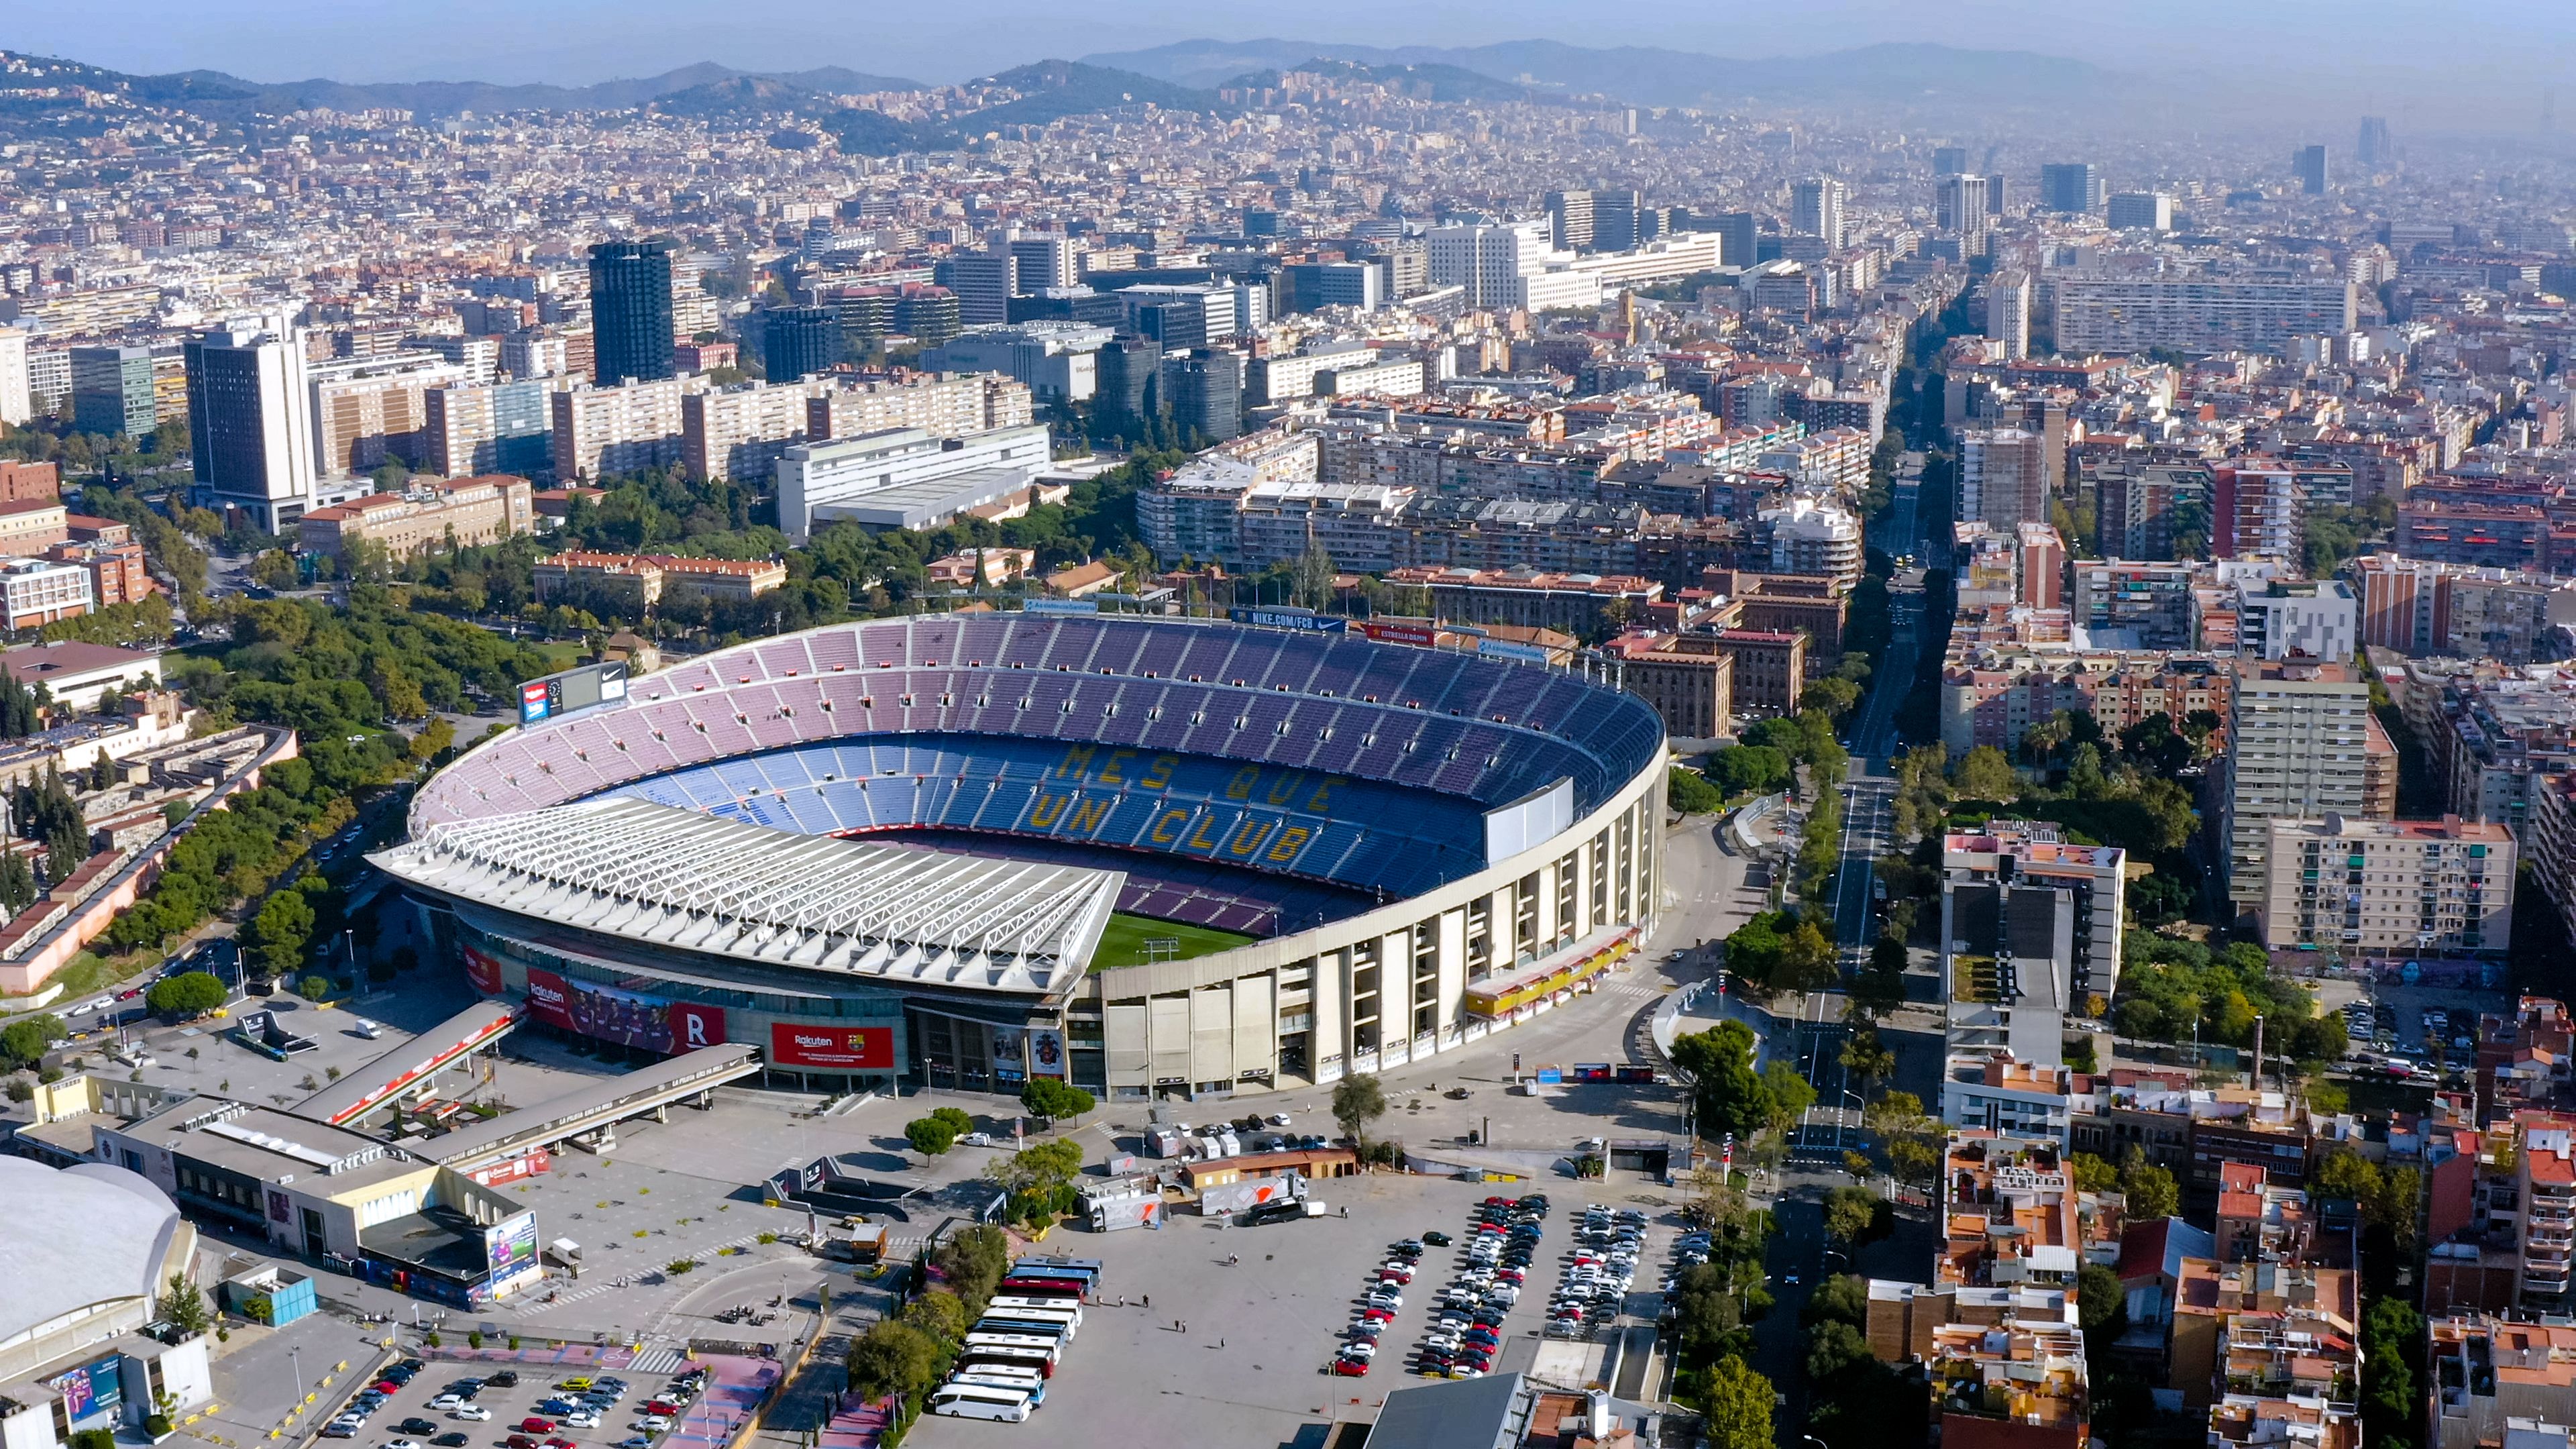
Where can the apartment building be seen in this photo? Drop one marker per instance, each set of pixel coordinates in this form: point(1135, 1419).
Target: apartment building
point(2491, 739)
point(2003, 477)
point(2493, 1380)
point(369, 411)
point(2389, 887)
point(2296, 618)
point(2418, 607)
point(739, 433)
point(1806, 536)
point(2301, 741)
point(1574, 603)
point(947, 405)
point(2148, 605)
point(2094, 877)
point(446, 513)
point(1992, 695)
point(2219, 314)
point(503, 427)
point(601, 432)
point(1688, 678)
point(643, 579)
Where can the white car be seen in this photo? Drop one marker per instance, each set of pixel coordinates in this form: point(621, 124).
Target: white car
point(402, 1444)
point(652, 1424)
point(580, 1421)
point(979, 1139)
point(469, 1413)
point(448, 1401)
point(1279, 1119)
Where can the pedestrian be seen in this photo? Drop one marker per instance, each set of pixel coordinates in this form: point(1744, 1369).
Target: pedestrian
point(1220, 1342)
point(1148, 1300)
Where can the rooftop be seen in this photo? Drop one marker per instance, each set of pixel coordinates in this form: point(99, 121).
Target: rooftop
point(653, 873)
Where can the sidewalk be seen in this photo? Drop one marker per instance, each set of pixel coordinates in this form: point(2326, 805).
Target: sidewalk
point(855, 1426)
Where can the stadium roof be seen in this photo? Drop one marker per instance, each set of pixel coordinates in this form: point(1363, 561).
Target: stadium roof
point(670, 877)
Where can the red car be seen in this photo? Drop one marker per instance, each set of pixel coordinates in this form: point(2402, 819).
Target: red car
point(388, 1386)
point(561, 1443)
point(1351, 1368)
point(664, 1407)
point(536, 1426)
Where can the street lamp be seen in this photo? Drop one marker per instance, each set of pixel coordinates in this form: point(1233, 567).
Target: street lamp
point(295, 1356)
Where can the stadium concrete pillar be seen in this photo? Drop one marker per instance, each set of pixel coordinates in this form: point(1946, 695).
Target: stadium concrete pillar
point(1543, 927)
point(1331, 997)
point(1394, 998)
point(1450, 948)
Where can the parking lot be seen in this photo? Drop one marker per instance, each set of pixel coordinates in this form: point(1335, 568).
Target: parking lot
point(440, 1409)
point(1183, 1348)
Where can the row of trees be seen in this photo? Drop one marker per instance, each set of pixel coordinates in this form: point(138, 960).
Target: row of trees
point(903, 1357)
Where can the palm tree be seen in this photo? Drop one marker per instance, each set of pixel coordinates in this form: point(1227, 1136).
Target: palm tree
point(2041, 742)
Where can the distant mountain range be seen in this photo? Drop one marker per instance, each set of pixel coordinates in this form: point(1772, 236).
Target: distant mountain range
point(702, 87)
point(1050, 91)
point(1647, 75)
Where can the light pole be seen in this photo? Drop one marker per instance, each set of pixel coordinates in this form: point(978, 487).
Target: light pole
point(295, 1356)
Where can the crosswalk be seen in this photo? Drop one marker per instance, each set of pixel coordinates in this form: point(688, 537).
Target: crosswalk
point(658, 1361)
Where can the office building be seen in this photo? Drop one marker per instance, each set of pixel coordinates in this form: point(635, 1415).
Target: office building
point(17, 397)
point(2388, 887)
point(1949, 160)
point(2141, 211)
point(1041, 260)
point(1738, 234)
point(887, 479)
point(1313, 286)
point(1816, 209)
point(502, 427)
point(1963, 209)
point(2300, 744)
point(2072, 186)
point(2003, 479)
point(2309, 165)
point(1057, 360)
point(2008, 312)
point(35, 592)
point(1570, 220)
point(250, 423)
point(1622, 220)
point(984, 283)
point(2373, 151)
point(631, 311)
point(798, 341)
point(2205, 314)
point(112, 391)
point(1493, 262)
point(1203, 392)
point(1128, 375)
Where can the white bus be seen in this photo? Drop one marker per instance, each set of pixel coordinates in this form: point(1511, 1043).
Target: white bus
point(1065, 1319)
point(1012, 1308)
point(994, 1378)
point(1052, 1348)
point(1035, 1361)
point(980, 1401)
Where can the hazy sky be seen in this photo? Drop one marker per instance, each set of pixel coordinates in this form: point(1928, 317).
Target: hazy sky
point(2379, 44)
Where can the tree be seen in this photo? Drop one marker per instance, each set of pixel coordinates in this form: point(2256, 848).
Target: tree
point(1730, 1095)
point(2397, 1207)
point(1984, 774)
point(929, 1136)
point(1843, 1298)
point(972, 1262)
point(959, 1120)
point(183, 1307)
point(2102, 1302)
point(1807, 959)
point(1054, 1097)
point(1358, 1100)
point(1312, 584)
point(1852, 1215)
point(1737, 1406)
point(313, 988)
point(1758, 769)
point(1834, 696)
point(23, 1042)
point(2092, 1174)
point(1832, 1347)
point(1790, 1096)
point(2149, 1190)
point(17, 882)
point(892, 1360)
point(2347, 1174)
point(280, 931)
point(2392, 1339)
point(940, 1315)
point(1868, 1058)
point(1690, 793)
point(192, 993)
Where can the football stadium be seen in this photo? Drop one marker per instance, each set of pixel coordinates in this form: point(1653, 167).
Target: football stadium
point(1156, 857)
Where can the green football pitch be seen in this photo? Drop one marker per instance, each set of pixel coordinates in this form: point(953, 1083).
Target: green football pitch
point(1122, 942)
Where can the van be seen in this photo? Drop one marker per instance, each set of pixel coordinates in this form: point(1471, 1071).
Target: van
point(368, 1029)
point(980, 1401)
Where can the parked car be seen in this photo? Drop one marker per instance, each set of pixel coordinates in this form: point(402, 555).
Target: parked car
point(469, 1413)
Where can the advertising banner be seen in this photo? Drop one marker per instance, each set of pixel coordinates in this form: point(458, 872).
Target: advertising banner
point(1046, 1053)
point(1288, 618)
point(549, 999)
point(832, 1048)
point(694, 1025)
point(510, 1244)
point(535, 702)
point(1421, 636)
point(1505, 649)
point(1011, 1053)
point(482, 972)
point(1060, 606)
point(91, 1389)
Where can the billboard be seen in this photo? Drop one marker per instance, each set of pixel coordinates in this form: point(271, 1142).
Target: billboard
point(1391, 631)
point(1288, 618)
point(510, 1244)
point(629, 1018)
point(1011, 1053)
point(1046, 1054)
point(833, 1048)
point(591, 684)
point(1060, 606)
point(91, 1389)
point(1505, 649)
point(482, 972)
